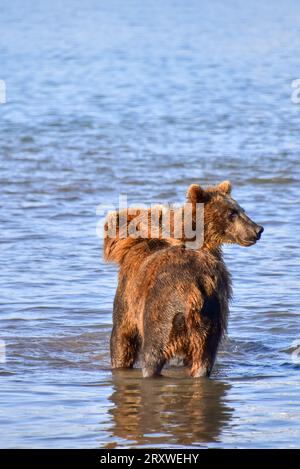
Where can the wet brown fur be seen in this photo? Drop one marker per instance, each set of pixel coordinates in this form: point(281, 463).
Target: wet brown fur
point(170, 300)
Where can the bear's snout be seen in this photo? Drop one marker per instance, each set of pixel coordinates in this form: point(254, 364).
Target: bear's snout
point(259, 231)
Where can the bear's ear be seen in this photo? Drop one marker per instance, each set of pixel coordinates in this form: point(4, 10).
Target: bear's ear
point(225, 187)
point(196, 194)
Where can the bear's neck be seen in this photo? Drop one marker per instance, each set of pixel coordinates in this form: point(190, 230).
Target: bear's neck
point(215, 251)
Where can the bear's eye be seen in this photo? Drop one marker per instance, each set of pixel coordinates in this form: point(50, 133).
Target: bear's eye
point(232, 214)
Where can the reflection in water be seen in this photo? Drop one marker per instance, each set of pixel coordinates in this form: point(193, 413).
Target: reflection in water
point(167, 411)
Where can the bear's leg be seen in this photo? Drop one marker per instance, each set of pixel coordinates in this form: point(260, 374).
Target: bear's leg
point(152, 366)
point(124, 347)
point(203, 351)
point(153, 359)
point(199, 370)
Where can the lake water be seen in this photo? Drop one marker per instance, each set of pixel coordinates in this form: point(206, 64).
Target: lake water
point(145, 98)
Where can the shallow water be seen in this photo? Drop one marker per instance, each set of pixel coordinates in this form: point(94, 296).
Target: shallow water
point(144, 98)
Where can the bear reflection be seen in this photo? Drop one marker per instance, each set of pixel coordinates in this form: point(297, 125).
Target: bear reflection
point(166, 411)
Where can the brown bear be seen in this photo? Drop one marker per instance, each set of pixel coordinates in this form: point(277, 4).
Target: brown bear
point(171, 300)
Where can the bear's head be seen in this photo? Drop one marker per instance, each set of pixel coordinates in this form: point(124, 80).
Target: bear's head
point(225, 221)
